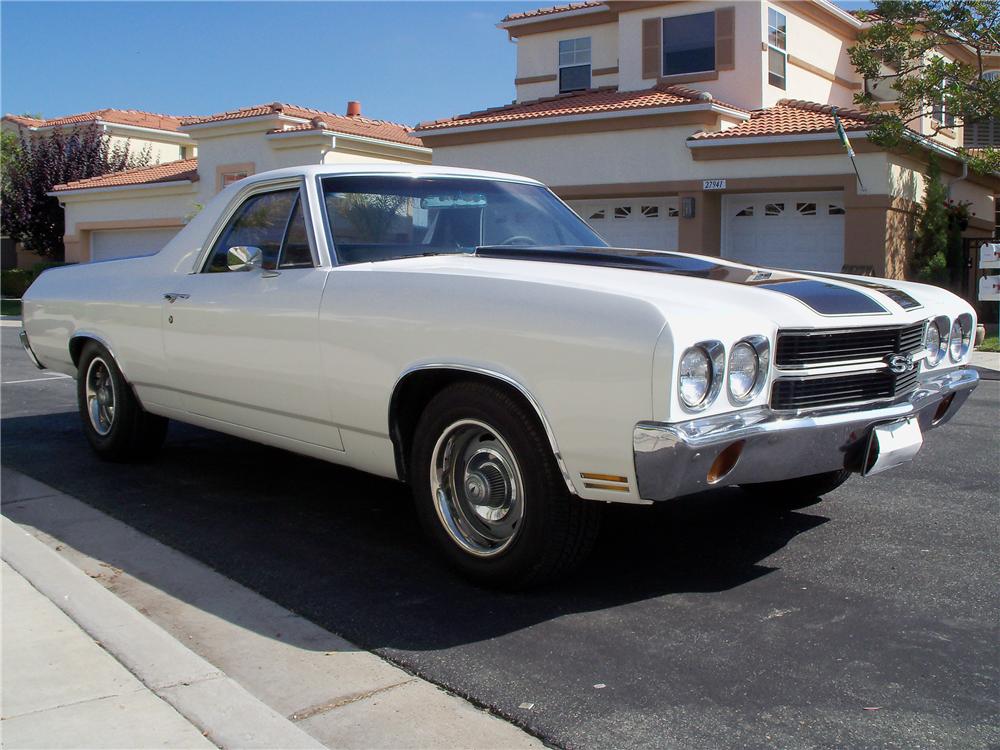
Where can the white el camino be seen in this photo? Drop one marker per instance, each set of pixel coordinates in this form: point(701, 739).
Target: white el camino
point(466, 332)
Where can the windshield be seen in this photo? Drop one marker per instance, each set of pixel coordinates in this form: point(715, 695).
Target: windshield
point(379, 217)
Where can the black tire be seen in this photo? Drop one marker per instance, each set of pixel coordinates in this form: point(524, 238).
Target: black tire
point(798, 492)
point(131, 432)
point(555, 530)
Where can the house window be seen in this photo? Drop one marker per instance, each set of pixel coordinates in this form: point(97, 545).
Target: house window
point(777, 55)
point(939, 111)
point(986, 133)
point(228, 178)
point(806, 209)
point(598, 214)
point(651, 212)
point(748, 211)
point(774, 209)
point(834, 210)
point(623, 212)
point(574, 64)
point(689, 44)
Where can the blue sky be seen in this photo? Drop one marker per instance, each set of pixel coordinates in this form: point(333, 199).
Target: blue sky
point(405, 61)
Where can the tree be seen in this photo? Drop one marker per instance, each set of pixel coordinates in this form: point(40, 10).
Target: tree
point(930, 257)
point(902, 50)
point(41, 161)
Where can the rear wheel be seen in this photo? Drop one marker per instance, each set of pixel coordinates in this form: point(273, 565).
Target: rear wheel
point(489, 492)
point(116, 425)
point(798, 492)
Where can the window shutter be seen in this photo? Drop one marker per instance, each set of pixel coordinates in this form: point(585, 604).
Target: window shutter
point(652, 33)
point(725, 38)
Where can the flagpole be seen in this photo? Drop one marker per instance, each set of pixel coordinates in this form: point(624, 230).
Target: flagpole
point(847, 145)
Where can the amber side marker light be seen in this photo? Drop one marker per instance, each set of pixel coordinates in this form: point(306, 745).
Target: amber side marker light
point(601, 481)
point(725, 462)
point(943, 408)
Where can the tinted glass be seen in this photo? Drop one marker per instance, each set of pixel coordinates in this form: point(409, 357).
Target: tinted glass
point(689, 44)
point(576, 78)
point(259, 222)
point(376, 218)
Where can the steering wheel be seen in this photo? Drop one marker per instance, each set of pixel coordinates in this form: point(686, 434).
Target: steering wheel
point(519, 239)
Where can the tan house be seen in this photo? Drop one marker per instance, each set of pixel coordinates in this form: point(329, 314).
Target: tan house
point(709, 127)
point(137, 212)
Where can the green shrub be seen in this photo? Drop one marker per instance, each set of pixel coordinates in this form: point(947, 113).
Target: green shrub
point(14, 282)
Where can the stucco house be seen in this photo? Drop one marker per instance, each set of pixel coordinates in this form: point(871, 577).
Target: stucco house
point(709, 127)
point(138, 211)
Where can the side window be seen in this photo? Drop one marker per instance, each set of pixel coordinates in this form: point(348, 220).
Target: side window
point(295, 251)
point(260, 222)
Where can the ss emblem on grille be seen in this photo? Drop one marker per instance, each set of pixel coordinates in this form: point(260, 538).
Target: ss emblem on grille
point(900, 363)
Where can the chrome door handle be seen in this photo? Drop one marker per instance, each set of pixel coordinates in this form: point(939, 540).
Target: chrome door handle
point(174, 296)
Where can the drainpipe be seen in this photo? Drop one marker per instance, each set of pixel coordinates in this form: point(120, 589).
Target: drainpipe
point(964, 175)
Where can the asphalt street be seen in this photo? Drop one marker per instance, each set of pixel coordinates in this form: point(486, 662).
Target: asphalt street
point(866, 620)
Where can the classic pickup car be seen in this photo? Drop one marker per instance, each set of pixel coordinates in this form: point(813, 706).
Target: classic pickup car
point(466, 332)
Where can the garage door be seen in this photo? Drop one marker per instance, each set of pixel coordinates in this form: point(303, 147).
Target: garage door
point(648, 223)
point(106, 244)
point(785, 230)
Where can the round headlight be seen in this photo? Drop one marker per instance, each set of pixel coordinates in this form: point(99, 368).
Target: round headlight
point(960, 337)
point(743, 369)
point(695, 376)
point(932, 343)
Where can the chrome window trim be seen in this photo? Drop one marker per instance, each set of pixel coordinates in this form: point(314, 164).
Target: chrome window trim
point(237, 201)
point(716, 352)
point(762, 346)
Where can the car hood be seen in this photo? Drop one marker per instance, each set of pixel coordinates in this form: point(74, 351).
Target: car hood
point(824, 294)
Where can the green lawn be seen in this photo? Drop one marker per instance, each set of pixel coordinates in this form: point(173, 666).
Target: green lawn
point(10, 307)
point(990, 344)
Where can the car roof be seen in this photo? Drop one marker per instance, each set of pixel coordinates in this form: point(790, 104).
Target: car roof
point(385, 168)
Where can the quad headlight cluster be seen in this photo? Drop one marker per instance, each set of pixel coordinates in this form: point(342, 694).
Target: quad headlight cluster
point(703, 368)
point(946, 337)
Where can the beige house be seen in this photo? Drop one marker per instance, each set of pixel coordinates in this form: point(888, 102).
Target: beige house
point(137, 212)
point(709, 127)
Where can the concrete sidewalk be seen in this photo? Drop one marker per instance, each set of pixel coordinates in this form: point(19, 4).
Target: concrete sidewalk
point(61, 689)
point(238, 667)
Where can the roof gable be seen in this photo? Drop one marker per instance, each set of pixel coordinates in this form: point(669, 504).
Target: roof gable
point(172, 171)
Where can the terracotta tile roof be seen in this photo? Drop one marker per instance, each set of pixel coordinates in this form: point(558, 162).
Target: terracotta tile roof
point(171, 171)
point(116, 116)
point(357, 125)
point(579, 103)
point(790, 117)
point(550, 11)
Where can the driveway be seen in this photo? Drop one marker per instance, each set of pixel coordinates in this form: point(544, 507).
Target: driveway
point(869, 619)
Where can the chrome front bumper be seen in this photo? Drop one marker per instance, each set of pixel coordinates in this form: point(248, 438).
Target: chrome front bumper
point(23, 337)
point(685, 457)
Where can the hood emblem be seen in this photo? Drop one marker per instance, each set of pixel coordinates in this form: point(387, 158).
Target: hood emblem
point(900, 363)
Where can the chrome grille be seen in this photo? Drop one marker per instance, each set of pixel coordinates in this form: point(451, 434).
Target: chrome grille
point(818, 348)
point(794, 394)
point(862, 352)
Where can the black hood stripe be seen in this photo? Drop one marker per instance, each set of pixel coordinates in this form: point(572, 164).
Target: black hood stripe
point(821, 296)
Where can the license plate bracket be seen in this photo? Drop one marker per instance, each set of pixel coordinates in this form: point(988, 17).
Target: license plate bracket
point(890, 445)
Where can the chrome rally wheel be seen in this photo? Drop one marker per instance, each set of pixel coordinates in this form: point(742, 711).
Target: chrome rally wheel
point(100, 395)
point(477, 487)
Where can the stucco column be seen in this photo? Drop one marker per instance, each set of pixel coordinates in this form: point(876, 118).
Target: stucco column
point(702, 233)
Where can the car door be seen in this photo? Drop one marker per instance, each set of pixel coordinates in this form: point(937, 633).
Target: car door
point(241, 344)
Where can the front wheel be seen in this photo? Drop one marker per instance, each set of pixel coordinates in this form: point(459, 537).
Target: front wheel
point(798, 492)
point(116, 425)
point(489, 493)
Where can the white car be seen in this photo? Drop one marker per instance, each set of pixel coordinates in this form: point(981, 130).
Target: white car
point(466, 332)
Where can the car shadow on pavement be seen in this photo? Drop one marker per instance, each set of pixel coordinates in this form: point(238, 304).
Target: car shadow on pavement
point(344, 549)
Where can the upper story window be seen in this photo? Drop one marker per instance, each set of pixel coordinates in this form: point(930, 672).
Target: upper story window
point(984, 134)
point(940, 113)
point(777, 48)
point(689, 44)
point(574, 64)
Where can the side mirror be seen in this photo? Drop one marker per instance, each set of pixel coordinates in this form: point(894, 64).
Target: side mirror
point(244, 258)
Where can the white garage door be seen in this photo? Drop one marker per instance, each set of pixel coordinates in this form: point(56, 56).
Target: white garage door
point(106, 244)
point(785, 230)
point(648, 223)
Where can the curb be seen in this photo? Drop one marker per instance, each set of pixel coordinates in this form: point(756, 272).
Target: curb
point(229, 715)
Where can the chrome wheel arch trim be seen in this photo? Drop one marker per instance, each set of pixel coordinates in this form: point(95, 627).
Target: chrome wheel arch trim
point(507, 380)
